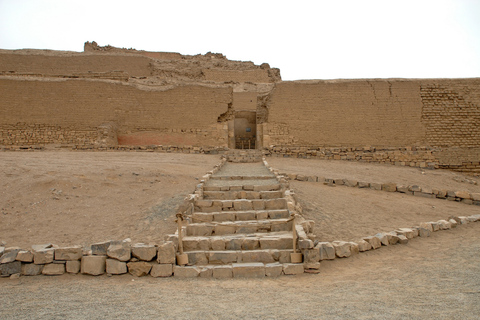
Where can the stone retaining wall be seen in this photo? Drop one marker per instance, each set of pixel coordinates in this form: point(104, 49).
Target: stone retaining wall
point(459, 196)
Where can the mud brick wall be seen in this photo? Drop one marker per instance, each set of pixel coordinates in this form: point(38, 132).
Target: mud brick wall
point(74, 63)
point(255, 76)
point(183, 115)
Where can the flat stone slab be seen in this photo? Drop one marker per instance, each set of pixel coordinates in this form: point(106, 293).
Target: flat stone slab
point(248, 270)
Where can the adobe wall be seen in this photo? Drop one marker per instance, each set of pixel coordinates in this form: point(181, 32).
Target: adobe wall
point(76, 111)
point(439, 118)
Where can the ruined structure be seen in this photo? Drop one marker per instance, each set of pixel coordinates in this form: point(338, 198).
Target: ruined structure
point(108, 97)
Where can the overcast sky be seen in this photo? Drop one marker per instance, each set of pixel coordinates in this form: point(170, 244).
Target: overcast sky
point(305, 39)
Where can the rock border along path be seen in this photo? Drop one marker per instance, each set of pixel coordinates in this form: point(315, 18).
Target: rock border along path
point(255, 232)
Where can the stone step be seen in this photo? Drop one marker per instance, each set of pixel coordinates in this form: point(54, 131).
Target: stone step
point(258, 177)
point(234, 195)
point(238, 227)
point(238, 270)
point(207, 205)
point(229, 256)
point(198, 217)
point(236, 186)
point(273, 240)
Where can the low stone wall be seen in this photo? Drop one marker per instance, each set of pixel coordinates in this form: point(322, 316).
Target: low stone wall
point(459, 196)
point(410, 156)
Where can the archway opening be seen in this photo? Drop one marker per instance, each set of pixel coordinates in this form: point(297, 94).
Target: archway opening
point(245, 129)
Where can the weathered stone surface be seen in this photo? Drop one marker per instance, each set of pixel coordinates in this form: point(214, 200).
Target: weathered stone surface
point(114, 266)
point(475, 196)
point(38, 247)
point(311, 266)
point(225, 228)
point(326, 250)
point(161, 270)
point(222, 257)
point(273, 269)
point(53, 269)
point(389, 187)
point(70, 253)
point(284, 256)
point(375, 186)
point(166, 253)
point(311, 255)
point(407, 232)
point(250, 243)
point(206, 272)
point(305, 244)
point(402, 189)
point(263, 256)
point(186, 272)
point(245, 215)
point(374, 241)
point(233, 244)
point(7, 269)
point(197, 257)
point(293, 268)
point(222, 272)
point(383, 237)
point(414, 188)
point(364, 245)
point(362, 184)
point(453, 223)
point(119, 250)
point(423, 232)
point(139, 269)
point(43, 256)
point(354, 248)
point(242, 205)
point(2, 250)
point(444, 224)
point(93, 265)
point(274, 204)
point(402, 239)
point(144, 252)
point(276, 243)
point(72, 266)
point(224, 216)
point(24, 256)
point(393, 238)
point(350, 183)
point(9, 256)
point(463, 195)
point(31, 269)
point(100, 249)
point(248, 270)
point(342, 249)
point(426, 225)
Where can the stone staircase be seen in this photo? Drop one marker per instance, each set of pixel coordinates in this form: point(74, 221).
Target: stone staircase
point(240, 225)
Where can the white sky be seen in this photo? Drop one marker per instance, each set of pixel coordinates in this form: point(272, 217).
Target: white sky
point(305, 39)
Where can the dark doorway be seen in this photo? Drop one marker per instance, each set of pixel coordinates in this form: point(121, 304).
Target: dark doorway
point(245, 124)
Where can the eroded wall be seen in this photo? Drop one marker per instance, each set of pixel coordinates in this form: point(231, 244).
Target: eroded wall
point(59, 111)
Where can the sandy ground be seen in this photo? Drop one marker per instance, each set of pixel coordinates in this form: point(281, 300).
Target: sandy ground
point(429, 278)
point(117, 195)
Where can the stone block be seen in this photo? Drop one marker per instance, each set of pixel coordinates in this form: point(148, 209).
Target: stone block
point(362, 184)
point(402, 239)
point(274, 204)
point(364, 245)
point(38, 247)
point(9, 257)
point(326, 251)
point(311, 255)
point(233, 244)
point(222, 272)
point(161, 270)
point(263, 256)
point(376, 186)
point(389, 187)
point(338, 182)
point(354, 248)
point(43, 256)
point(53, 269)
point(70, 253)
point(293, 268)
point(248, 270)
point(9, 268)
point(222, 257)
point(217, 244)
point(414, 188)
point(374, 242)
point(305, 244)
point(444, 224)
point(186, 272)
point(139, 269)
point(383, 237)
point(284, 256)
point(144, 252)
point(453, 223)
point(31, 269)
point(166, 253)
point(342, 249)
point(114, 266)
point(403, 189)
point(261, 215)
point(197, 257)
point(24, 256)
point(435, 226)
point(199, 230)
point(224, 216)
point(273, 269)
point(242, 205)
point(475, 196)
point(100, 249)
point(276, 243)
point(350, 183)
point(93, 265)
point(250, 243)
point(246, 215)
point(206, 272)
point(463, 195)
point(423, 232)
point(72, 266)
point(119, 250)
point(198, 217)
point(407, 232)
point(225, 228)
point(426, 225)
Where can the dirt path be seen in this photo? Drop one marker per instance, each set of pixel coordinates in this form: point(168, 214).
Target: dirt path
point(429, 278)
